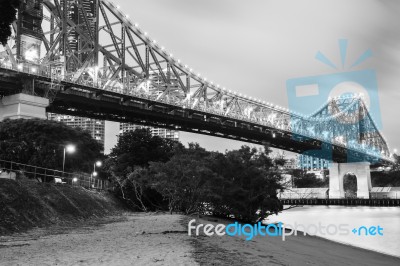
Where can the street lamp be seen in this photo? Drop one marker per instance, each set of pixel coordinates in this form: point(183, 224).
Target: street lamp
point(94, 173)
point(68, 149)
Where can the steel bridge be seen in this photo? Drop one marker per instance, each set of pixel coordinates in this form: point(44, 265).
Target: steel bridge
point(90, 60)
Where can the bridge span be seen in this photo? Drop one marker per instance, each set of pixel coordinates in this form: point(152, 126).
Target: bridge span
point(90, 60)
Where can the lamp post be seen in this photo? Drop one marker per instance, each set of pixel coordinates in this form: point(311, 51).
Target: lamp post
point(68, 149)
point(94, 174)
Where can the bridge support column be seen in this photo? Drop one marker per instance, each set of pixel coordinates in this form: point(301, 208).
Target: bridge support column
point(337, 171)
point(23, 106)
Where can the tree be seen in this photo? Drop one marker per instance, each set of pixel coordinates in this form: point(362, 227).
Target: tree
point(138, 148)
point(302, 179)
point(41, 143)
point(350, 185)
point(7, 17)
point(248, 187)
point(128, 165)
point(137, 192)
point(183, 181)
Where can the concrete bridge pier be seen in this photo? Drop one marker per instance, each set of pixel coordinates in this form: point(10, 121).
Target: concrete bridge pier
point(23, 106)
point(337, 171)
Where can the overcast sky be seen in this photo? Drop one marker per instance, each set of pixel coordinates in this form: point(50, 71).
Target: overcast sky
point(255, 46)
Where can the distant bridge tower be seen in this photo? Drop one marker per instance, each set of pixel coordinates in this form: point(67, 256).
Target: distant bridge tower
point(29, 30)
point(28, 41)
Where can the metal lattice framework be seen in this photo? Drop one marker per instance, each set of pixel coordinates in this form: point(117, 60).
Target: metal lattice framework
point(91, 47)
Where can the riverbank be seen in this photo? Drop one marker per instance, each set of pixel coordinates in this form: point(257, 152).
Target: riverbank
point(130, 239)
point(162, 239)
point(296, 250)
point(27, 204)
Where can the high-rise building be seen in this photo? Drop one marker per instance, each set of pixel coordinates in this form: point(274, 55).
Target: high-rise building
point(311, 163)
point(161, 132)
point(95, 127)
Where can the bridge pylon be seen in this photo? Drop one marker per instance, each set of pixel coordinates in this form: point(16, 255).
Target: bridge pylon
point(23, 106)
point(337, 171)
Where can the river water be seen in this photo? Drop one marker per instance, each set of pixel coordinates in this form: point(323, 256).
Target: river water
point(387, 218)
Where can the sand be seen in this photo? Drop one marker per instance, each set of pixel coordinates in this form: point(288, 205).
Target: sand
point(161, 239)
point(299, 250)
point(137, 239)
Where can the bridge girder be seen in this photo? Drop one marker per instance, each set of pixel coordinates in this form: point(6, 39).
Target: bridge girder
point(95, 51)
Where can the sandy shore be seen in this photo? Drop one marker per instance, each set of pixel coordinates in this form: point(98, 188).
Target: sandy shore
point(299, 250)
point(161, 239)
point(134, 239)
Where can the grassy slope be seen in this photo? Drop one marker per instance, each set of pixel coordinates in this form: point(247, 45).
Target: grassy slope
point(26, 204)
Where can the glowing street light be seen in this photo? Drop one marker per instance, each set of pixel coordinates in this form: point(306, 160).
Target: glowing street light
point(94, 173)
point(68, 149)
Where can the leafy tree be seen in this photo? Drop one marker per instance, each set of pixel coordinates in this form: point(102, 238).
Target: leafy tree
point(248, 187)
point(128, 163)
point(350, 185)
point(41, 143)
point(7, 17)
point(388, 178)
point(152, 173)
point(302, 179)
point(137, 192)
point(183, 181)
point(138, 148)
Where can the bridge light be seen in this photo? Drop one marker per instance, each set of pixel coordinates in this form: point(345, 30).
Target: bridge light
point(34, 69)
point(127, 16)
point(136, 25)
point(145, 33)
point(118, 7)
point(32, 54)
point(20, 66)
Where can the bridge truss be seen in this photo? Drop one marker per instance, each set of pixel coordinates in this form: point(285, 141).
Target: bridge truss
point(91, 60)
